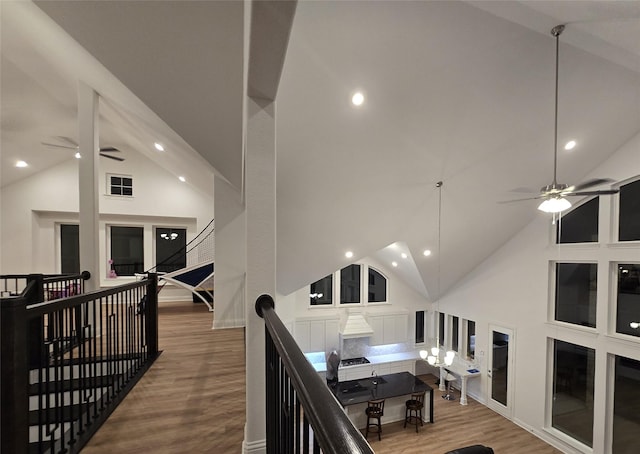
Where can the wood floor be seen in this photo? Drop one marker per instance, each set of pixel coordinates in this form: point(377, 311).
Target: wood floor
point(192, 401)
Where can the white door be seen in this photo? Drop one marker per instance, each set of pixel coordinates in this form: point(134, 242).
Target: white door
point(500, 370)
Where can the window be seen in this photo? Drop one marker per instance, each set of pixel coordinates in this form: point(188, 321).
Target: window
point(440, 329)
point(350, 285)
point(127, 251)
point(321, 292)
point(454, 333)
point(573, 378)
point(626, 418)
point(377, 287)
point(579, 225)
point(121, 185)
point(629, 217)
point(69, 249)
point(576, 293)
point(471, 339)
point(419, 327)
point(628, 308)
point(171, 249)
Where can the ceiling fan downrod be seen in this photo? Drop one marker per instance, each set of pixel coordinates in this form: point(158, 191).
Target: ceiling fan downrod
point(556, 31)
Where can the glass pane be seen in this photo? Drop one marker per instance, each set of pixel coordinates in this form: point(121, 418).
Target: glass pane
point(127, 182)
point(377, 287)
point(350, 284)
point(576, 293)
point(116, 190)
point(628, 309)
point(127, 250)
point(471, 339)
point(171, 247)
point(579, 225)
point(500, 366)
point(70, 249)
point(127, 191)
point(626, 406)
point(419, 327)
point(440, 329)
point(321, 292)
point(629, 222)
point(573, 373)
point(454, 333)
point(116, 181)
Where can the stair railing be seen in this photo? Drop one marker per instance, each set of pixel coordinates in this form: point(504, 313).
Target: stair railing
point(301, 411)
point(91, 349)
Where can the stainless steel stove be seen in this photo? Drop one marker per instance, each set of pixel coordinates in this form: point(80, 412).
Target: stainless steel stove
point(354, 361)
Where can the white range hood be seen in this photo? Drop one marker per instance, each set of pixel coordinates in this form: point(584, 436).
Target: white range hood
point(356, 326)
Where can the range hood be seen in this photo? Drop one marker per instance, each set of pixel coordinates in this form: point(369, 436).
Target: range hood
point(356, 326)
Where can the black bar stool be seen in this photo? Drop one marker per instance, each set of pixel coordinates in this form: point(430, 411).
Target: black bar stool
point(374, 410)
point(413, 411)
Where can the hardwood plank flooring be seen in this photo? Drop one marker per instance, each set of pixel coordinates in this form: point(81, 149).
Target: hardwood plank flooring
point(192, 401)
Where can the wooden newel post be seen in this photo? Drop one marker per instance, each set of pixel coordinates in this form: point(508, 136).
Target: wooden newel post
point(14, 377)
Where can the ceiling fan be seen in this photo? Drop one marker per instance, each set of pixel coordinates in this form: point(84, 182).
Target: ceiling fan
point(554, 194)
point(70, 144)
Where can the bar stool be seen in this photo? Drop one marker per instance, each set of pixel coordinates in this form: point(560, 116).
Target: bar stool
point(413, 410)
point(374, 410)
point(449, 379)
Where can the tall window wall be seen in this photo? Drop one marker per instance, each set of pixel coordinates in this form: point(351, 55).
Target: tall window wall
point(595, 307)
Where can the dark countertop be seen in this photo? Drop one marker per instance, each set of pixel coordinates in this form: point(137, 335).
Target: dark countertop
point(383, 387)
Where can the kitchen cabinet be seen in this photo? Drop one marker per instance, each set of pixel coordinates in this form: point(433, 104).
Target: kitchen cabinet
point(317, 334)
point(389, 328)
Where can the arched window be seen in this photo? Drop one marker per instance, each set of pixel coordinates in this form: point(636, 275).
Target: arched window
point(377, 287)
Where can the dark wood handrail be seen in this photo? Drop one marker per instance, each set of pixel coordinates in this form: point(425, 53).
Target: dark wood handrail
point(332, 428)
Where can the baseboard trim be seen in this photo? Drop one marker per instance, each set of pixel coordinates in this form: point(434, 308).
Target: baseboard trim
point(232, 323)
point(254, 447)
point(546, 437)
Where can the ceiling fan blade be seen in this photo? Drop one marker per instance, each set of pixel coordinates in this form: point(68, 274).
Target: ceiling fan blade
point(601, 192)
point(115, 158)
point(108, 149)
point(58, 146)
point(69, 140)
point(522, 190)
point(521, 200)
point(590, 183)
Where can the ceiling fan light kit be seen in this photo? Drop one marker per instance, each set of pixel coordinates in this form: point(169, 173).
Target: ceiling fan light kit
point(554, 205)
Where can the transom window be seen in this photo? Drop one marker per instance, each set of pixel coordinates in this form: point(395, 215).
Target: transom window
point(350, 287)
point(121, 185)
point(579, 225)
point(629, 216)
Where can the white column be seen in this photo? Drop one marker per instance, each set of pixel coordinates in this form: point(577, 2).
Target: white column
point(88, 184)
point(260, 202)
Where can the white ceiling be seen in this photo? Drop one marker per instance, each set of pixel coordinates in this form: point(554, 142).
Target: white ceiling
point(460, 92)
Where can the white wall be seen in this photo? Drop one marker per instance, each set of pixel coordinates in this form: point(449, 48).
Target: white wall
point(32, 208)
point(511, 288)
point(230, 266)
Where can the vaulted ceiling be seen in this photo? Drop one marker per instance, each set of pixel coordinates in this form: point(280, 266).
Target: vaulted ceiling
point(459, 92)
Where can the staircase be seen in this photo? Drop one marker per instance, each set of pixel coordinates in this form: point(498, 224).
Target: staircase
point(67, 363)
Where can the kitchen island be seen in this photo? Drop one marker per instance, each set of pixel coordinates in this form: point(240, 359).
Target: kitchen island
point(353, 395)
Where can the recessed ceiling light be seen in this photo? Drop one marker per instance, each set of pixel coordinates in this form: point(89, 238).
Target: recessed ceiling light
point(357, 99)
point(426, 253)
point(21, 164)
point(348, 254)
point(78, 155)
point(570, 145)
point(158, 146)
point(183, 179)
point(394, 263)
point(403, 255)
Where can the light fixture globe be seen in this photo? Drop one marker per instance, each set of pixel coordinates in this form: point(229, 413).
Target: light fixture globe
point(424, 354)
point(554, 205)
point(435, 351)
